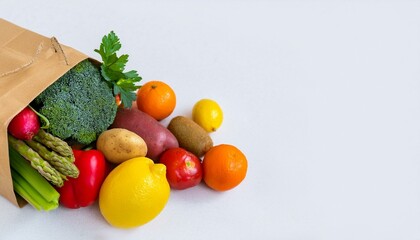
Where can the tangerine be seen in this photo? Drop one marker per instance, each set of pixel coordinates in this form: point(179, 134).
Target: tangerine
point(224, 167)
point(157, 99)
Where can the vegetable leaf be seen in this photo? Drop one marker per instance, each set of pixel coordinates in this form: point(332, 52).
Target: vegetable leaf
point(126, 95)
point(112, 70)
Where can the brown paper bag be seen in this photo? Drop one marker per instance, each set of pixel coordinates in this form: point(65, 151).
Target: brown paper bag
point(29, 63)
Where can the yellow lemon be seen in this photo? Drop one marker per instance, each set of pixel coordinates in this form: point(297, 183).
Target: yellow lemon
point(134, 193)
point(208, 114)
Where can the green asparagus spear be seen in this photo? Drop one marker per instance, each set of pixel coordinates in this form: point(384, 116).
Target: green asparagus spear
point(54, 143)
point(43, 167)
point(62, 164)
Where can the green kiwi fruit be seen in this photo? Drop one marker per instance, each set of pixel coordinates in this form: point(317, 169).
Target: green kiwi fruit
point(191, 136)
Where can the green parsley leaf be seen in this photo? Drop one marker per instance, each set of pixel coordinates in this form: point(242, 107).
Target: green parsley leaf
point(126, 96)
point(113, 67)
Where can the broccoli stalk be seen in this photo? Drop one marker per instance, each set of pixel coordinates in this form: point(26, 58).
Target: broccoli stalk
point(79, 105)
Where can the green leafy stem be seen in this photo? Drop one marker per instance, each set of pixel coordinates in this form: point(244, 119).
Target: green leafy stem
point(113, 67)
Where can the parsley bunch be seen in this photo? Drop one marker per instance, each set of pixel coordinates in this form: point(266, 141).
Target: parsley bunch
point(112, 69)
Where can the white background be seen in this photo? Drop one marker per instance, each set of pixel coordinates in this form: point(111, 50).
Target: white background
point(323, 97)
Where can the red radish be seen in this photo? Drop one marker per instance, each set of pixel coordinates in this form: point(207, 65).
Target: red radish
point(24, 125)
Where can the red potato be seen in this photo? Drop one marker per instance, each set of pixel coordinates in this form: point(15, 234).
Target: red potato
point(157, 137)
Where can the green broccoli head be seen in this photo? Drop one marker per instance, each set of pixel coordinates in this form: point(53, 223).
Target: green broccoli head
point(79, 105)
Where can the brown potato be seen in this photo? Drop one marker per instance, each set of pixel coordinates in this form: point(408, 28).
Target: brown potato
point(191, 136)
point(120, 144)
point(156, 136)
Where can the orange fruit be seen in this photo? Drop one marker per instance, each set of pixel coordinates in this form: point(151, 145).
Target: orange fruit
point(224, 167)
point(157, 99)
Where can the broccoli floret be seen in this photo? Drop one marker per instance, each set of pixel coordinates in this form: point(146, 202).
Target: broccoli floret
point(79, 105)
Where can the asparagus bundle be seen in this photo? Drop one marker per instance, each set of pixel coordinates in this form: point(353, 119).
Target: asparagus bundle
point(37, 162)
point(54, 143)
point(51, 156)
point(63, 164)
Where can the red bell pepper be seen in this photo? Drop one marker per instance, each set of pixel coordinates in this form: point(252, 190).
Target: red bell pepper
point(84, 190)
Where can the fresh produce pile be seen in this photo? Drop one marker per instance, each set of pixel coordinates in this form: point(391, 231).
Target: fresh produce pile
point(96, 135)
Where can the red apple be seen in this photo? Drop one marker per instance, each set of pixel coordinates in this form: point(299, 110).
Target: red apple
point(183, 169)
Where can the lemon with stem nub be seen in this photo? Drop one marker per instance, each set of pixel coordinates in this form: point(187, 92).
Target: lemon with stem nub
point(208, 114)
point(134, 193)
